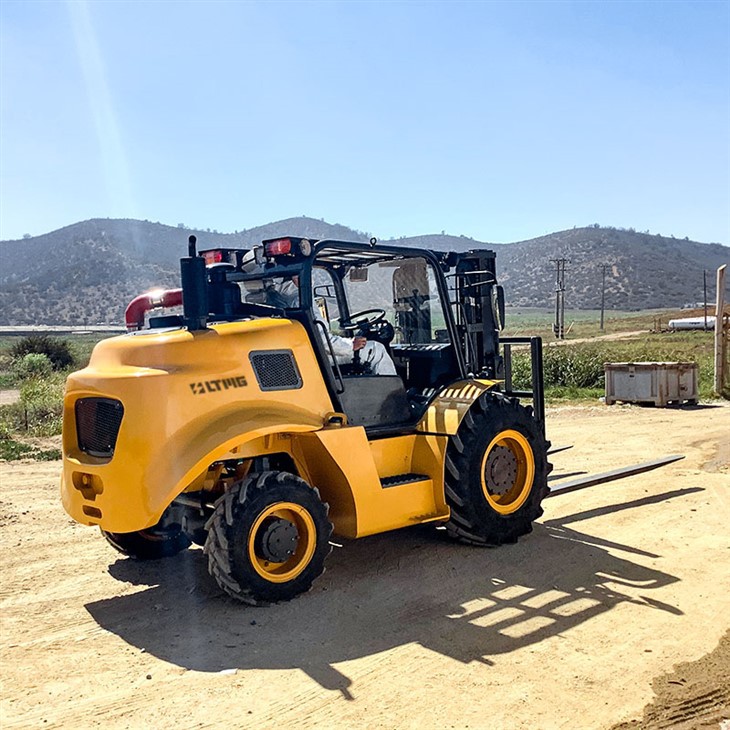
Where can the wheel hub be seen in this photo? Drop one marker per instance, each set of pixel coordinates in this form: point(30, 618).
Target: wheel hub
point(500, 470)
point(277, 540)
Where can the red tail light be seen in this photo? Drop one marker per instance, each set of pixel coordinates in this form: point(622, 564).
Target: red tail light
point(212, 257)
point(277, 247)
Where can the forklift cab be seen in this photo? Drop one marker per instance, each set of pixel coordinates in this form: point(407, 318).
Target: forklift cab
point(394, 298)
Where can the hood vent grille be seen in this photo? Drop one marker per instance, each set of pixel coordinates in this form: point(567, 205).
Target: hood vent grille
point(276, 369)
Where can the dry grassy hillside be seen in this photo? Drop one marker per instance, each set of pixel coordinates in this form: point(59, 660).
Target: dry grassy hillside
point(86, 273)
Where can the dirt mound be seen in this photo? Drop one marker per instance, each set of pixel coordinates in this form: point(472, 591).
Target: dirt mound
point(695, 695)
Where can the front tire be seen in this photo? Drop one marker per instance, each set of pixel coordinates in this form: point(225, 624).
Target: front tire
point(496, 473)
point(268, 538)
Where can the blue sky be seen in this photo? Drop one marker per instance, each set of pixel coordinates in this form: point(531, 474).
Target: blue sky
point(500, 121)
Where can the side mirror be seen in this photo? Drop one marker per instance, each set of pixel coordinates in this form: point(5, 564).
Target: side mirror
point(321, 304)
point(359, 273)
point(324, 290)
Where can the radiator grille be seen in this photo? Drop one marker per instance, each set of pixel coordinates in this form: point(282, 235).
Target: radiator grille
point(276, 370)
point(97, 425)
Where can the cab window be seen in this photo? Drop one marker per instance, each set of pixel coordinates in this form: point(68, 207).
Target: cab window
point(406, 289)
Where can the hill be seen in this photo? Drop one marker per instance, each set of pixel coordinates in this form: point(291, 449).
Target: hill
point(87, 272)
point(644, 271)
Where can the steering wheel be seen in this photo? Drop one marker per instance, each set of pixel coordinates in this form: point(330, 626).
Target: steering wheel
point(364, 319)
point(372, 324)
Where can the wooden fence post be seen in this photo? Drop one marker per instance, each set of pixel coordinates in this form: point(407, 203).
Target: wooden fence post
point(720, 335)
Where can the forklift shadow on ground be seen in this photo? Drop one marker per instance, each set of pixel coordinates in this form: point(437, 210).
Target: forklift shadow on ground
point(389, 590)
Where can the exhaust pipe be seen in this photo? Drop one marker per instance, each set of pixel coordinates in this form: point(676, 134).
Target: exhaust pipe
point(139, 306)
point(194, 300)
point(195, 288)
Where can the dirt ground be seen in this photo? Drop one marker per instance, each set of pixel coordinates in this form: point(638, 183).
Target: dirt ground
point(8, 397)
point(621, 592)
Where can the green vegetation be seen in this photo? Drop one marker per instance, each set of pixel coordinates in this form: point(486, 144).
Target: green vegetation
point(33, 365)
point(57, 351)
point(39, 410)
point(574, 367)
point(78, 346)
point(37, 367)
point(575, 371)
point(10, 450)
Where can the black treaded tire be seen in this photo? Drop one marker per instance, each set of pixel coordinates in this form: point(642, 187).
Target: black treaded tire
point(150, 544)
point(236, 557)
point(495, 497)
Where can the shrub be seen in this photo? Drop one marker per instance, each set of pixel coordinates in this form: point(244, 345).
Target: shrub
point(40, 410)
point(33, 365)
point(57, 351)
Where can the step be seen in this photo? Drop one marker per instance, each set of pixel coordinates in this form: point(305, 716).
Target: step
point(399, 479)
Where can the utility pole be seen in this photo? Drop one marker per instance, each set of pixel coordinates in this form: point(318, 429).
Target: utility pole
point(603, 292)
point(704, 283)
point(559, 325)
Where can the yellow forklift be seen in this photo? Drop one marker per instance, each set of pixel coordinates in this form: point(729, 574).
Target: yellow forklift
point(238, 423)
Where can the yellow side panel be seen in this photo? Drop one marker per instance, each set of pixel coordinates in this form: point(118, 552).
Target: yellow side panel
point(393, 455)
point(341, 464)
point(429, 455)
point(324, 472)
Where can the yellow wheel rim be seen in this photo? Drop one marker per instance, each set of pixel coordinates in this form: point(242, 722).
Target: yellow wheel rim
point(507, 471)
point(292, 565)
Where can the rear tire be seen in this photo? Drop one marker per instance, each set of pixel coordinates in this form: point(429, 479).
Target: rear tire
point(496, 473)
point(162, 540)
point(268, 538)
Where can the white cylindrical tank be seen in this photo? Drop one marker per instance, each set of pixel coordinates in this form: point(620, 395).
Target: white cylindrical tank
point(691, 323)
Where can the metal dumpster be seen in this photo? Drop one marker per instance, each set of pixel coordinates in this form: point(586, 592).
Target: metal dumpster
point(660, 383)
